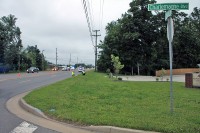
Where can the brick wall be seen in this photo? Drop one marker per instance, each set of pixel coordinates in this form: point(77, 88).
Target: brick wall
point(189, 80)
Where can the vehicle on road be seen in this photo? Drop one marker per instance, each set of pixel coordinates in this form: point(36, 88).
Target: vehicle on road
point(66, 69)
point(32, 70)
point(80, 69)
point(55, 69)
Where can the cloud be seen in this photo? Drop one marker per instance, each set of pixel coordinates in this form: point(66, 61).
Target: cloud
point(62, 24)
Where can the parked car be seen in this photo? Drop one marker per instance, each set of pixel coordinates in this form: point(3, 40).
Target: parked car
point(32, 70)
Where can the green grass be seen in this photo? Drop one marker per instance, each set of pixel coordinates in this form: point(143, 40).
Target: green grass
point(94, 99)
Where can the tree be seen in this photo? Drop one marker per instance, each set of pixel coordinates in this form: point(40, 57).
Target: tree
point(33, 54)
point(139, 37)
point(116, 64)
point(10, 42)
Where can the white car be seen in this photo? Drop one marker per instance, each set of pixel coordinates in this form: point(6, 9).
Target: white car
point(80, 69)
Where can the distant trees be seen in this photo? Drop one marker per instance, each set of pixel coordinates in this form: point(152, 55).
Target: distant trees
point(10, 41)
point(12, 53)
point(139, 37)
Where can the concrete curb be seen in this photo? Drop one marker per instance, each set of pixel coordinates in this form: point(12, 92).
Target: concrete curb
point(98, 129)
point(112, 129)
point(31, 109)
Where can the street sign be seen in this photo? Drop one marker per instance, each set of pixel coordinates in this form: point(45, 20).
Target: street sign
point(170, 29)
point(168, 14)
point(168, 6)
point(170, 33)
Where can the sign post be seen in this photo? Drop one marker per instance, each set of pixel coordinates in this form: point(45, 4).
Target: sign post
point(170, 33)
point(170, 39)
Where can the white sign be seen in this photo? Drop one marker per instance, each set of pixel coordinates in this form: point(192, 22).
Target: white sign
point(170, 29)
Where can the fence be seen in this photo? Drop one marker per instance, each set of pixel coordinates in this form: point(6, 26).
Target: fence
point(181, 71)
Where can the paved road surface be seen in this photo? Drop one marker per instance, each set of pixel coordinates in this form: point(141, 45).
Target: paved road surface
point(13, 84)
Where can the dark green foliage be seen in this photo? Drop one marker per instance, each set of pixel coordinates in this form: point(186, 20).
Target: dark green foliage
point(140, 36)
point(11, 53)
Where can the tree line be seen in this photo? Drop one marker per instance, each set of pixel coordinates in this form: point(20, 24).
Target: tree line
point(139, 38)
point(12, 53)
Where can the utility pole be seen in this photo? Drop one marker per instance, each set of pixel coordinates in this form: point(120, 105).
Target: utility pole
point(56, 57)
point(42, 60)
point(70, 59)
point(19, 64)
point(96, 48)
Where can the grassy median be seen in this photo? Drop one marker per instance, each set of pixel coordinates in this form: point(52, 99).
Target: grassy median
point(94, 99)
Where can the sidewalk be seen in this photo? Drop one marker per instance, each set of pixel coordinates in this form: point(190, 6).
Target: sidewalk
point(18, 106)
point(176, 78)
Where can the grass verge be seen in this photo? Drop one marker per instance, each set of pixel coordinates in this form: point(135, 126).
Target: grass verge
point(94, 99)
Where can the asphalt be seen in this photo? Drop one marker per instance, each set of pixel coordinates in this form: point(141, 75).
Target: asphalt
point(20, 108)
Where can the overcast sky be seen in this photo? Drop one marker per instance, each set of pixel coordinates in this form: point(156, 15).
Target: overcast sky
point(62, 24)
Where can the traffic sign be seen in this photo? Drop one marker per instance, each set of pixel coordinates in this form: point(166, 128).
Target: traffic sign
point(170, 29)
point(168, 14)
point(168, 6)
point(170, 32)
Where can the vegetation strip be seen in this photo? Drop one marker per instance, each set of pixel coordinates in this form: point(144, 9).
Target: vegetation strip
point(94, 99)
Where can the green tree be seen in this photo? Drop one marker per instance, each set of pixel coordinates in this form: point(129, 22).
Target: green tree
point(10, 43)
point(116, 64)
point(33, 54)
point(140, 37)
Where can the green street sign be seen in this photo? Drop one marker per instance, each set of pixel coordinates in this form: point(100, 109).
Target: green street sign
point(168, 6)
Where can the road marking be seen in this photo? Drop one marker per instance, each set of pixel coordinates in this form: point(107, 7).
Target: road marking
point(2, 80)
point(24, 127)
point(24, 81)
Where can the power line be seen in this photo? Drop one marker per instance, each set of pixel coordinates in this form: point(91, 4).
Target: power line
point(101, 14)
point(88, 19)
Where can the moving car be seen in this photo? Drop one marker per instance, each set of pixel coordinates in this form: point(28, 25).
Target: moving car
point(80, 69)
point(32, 70)
point(55, 69)
point(66, 69)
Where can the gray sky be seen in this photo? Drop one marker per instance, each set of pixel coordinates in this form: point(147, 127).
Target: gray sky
point(62, 24)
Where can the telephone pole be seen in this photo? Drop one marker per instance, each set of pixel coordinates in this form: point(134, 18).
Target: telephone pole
point(56, 57)
point(70, 59)
point(96, 48)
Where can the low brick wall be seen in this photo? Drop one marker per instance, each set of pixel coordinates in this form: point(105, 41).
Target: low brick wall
point(181, 71)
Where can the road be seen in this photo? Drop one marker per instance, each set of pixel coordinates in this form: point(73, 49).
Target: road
point(13, 84)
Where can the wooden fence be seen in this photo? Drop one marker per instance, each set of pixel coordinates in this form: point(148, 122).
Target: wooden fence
point(178, 71)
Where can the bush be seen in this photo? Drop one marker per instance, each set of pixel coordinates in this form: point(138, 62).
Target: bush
point(119, 78)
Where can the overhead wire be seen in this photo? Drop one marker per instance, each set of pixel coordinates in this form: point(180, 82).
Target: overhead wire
point(88, 18)
point(101, 14)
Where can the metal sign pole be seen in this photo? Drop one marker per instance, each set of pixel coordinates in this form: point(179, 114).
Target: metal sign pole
point(170, 32)
point(170, 38)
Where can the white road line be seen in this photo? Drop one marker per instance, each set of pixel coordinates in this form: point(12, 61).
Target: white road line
point(3, 80)
point(24, 81)
point(24, 127)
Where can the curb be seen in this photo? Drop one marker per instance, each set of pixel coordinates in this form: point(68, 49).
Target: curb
point(98, 129)
point(31, 109)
